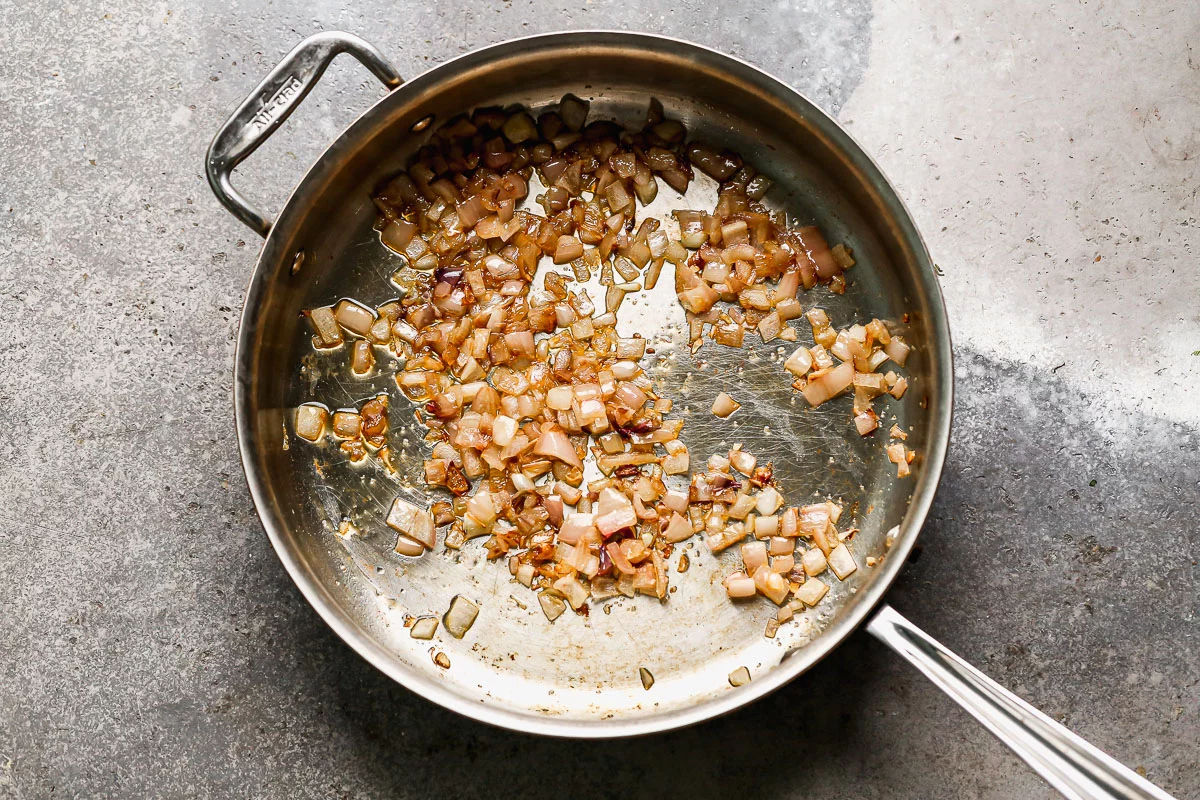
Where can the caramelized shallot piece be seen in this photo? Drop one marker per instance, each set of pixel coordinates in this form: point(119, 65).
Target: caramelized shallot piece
point(724, 405)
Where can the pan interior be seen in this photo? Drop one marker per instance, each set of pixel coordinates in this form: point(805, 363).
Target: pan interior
point(513, 666)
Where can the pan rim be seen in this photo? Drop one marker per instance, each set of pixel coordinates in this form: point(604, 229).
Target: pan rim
point(922, 497)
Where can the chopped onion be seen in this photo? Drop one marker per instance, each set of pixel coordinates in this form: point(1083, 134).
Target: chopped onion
point(742, 506)
point(519, 128)
point(866, 422)
point(407, 546)
point(567, 249)
point(780, 546)
point(901, 457)
point(676, 500)
point(575, 527)
point(616, 520)
point(412, 521)
point(820, 357)
point(568, 493)
point(811, 591)
point(573, 112)
point(555, 444)
point(739, 677)
point(788, 309)
point(630, 396)
point(770, 584)
point(677, 460)
point(611, 500)
point(354, 317)
point(626, 370)
point(724, 405)
point(677, 529)
point(872, 382)
point(520, 343)
point(588, 412)
point(715, 272)
point(363, 358)
point(841, 562)
point(814, 562)
point(770, 326)
point(754, 555)
point(574, 591)
point(827, 384)
point(897, 350)
point(310, 421)
point(460, 617)
point(423, 628)
point(560, 398)
point(766, 526)
point(347, 424)
point(699, 298)
point(403, 330)
point(325, 324)
point(738, 585)
point(503, 430)
point(742, 461)
point(552, 605)
point(769, 500)
point(397, 234)
point(799, 362)
point(726, 538)
point(482, 507)
point(789, 523)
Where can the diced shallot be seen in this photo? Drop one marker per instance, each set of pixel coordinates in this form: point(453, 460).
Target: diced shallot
point(310, 421)
point(799, 362)
point(828, 384)
point(575, 527)
point(771, 584)
point(897, 350)
point(814, 562)
point(412, 521)
point(677, 529)
point(841, 562)
point(555, 444)
point(724, 405)
point(811, 591)
point(738, 585)
point(460, 616)
point(754, 555)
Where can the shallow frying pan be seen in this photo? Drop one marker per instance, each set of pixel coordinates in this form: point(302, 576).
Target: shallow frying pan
point(580, 675)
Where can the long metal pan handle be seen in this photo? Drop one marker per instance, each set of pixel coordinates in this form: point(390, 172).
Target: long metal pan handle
point(1068, 763)
point(271, 102)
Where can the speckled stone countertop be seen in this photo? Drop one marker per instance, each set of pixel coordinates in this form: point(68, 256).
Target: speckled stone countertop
point(152, 646)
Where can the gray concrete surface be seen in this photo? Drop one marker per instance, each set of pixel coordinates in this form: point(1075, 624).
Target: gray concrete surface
point(150, 643)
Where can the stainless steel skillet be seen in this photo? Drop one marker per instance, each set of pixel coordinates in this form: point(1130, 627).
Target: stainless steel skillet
point(580, 675)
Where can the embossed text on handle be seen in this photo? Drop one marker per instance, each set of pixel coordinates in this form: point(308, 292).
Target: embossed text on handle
point(274, 108)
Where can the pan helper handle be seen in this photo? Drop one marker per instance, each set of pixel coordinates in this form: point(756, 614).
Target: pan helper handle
point(1068, 763)
point(269, 105)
